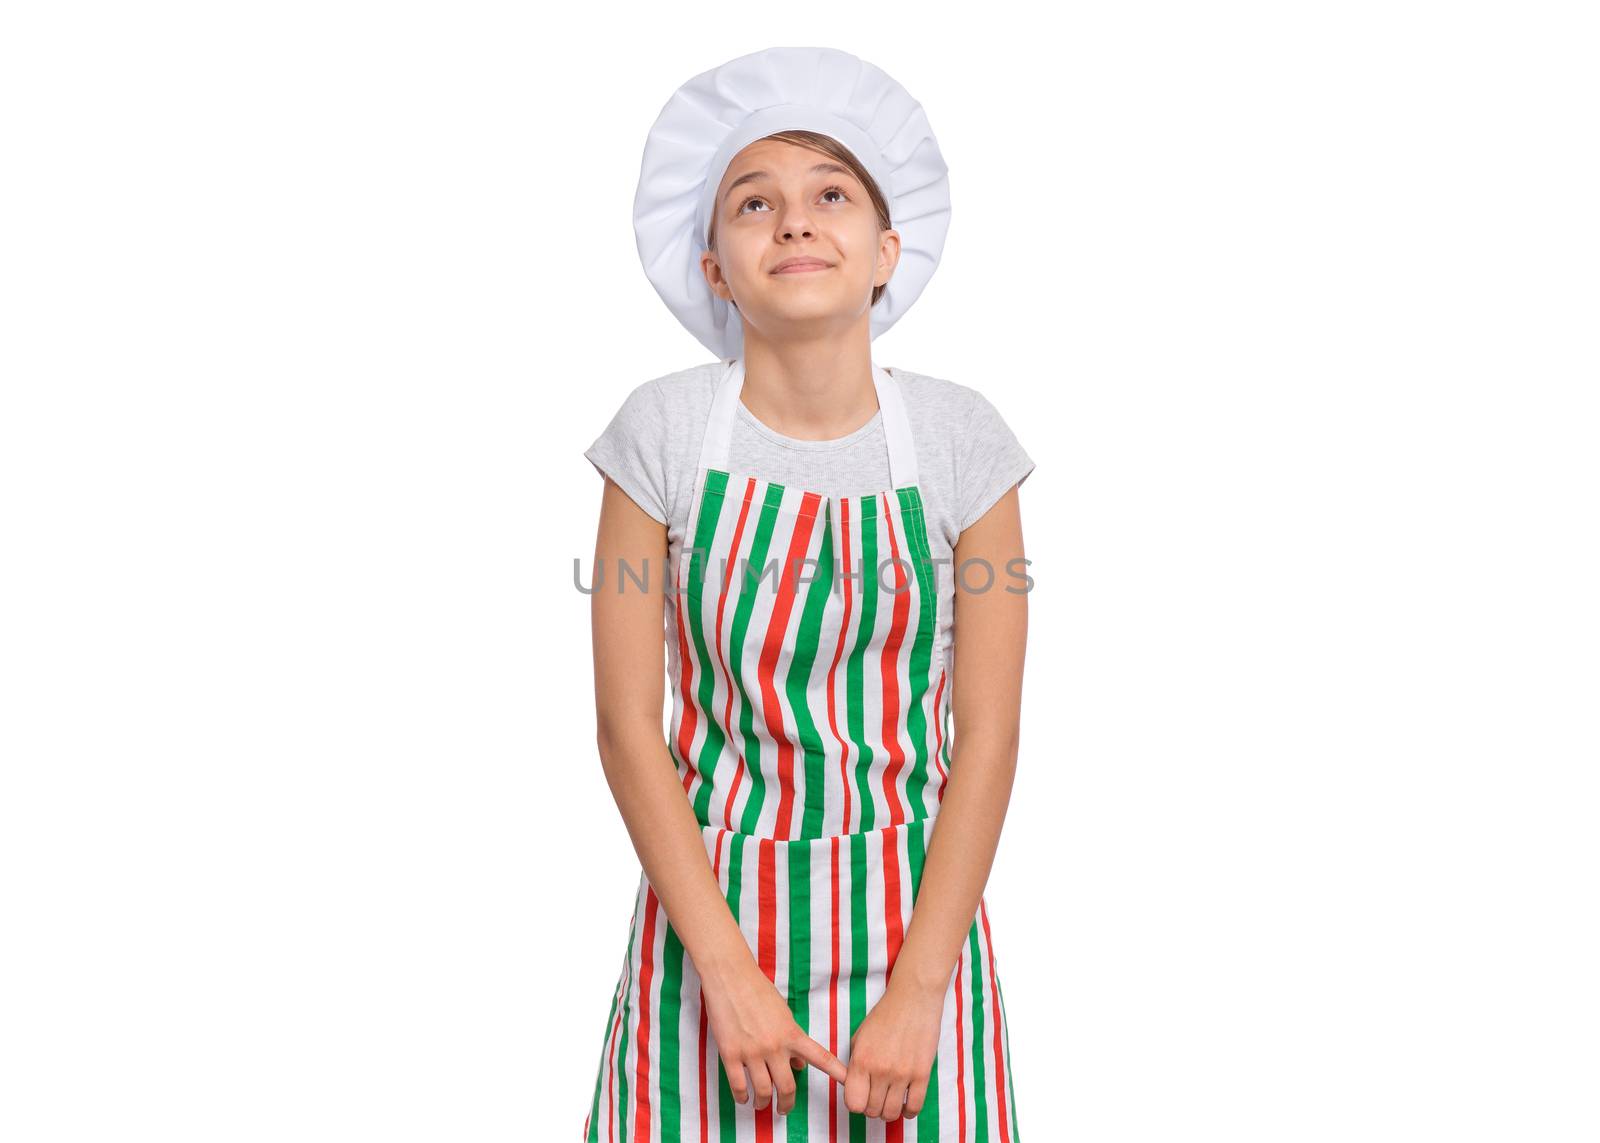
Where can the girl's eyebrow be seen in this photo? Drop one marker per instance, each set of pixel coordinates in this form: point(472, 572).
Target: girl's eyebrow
point(752, 176)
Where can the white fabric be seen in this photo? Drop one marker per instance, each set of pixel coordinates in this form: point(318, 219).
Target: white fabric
point(715, 115)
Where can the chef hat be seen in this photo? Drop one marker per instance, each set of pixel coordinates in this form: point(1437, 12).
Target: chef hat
point(718, 113)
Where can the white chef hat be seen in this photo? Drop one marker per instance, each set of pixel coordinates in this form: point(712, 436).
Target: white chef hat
point(718, 113)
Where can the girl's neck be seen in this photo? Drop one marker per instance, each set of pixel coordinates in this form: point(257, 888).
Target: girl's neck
point(810, 390)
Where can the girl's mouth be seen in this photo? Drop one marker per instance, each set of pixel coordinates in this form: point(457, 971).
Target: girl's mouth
point(801, 266)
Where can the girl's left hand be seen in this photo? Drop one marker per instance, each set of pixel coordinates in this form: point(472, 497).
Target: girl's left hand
point(892, 1052)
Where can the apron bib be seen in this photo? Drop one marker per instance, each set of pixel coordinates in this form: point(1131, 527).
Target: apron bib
point(810, 731)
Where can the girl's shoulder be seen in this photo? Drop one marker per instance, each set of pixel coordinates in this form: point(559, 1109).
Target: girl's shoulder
point(671, 394)
point(654, 432)
point(966, 451)
point(933, 397)
point(667, 408)
point(947, 416)
point(690, 380)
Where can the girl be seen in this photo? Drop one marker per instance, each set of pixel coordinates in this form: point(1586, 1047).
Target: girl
point(828, 955)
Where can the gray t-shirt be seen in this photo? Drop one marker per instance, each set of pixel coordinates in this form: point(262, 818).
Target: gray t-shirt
point(967, 459)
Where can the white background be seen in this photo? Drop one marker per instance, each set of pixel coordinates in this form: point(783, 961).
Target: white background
point(310, 310)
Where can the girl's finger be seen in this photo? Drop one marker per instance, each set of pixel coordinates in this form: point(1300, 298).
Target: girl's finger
point(857, 1088)
point(738, 1081)
point(761, 1081)
point(877, 1096)
point(783, 1084)
point(894, 1103)
point(919, 1092)
point(815, 1054)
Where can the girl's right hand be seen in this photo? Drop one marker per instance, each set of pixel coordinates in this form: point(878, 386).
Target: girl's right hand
point(754, 1029)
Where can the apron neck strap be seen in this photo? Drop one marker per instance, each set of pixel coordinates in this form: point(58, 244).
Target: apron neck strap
point(896, 426)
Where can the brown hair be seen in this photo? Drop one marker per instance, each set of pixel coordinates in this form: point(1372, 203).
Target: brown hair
point(841, 154)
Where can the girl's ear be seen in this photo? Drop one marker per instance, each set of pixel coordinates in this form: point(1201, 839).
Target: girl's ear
point(713, 272)
point(888, 255)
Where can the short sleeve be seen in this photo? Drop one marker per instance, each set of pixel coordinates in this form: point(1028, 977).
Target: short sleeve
point(993, 460)
point(631, 450)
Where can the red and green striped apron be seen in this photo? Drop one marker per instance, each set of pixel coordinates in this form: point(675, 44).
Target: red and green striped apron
point(811, 729)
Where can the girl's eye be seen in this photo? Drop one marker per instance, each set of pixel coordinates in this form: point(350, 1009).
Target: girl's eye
point(757, 198)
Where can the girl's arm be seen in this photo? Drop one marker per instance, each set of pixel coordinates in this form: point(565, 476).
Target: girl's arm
point(992, 629)
point(753, 1024)
point(628, 686)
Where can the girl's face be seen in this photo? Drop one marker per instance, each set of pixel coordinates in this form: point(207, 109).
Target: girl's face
point(778, 203)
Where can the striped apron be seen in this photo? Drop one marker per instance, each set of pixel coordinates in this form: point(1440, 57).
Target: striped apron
point(810, 729)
